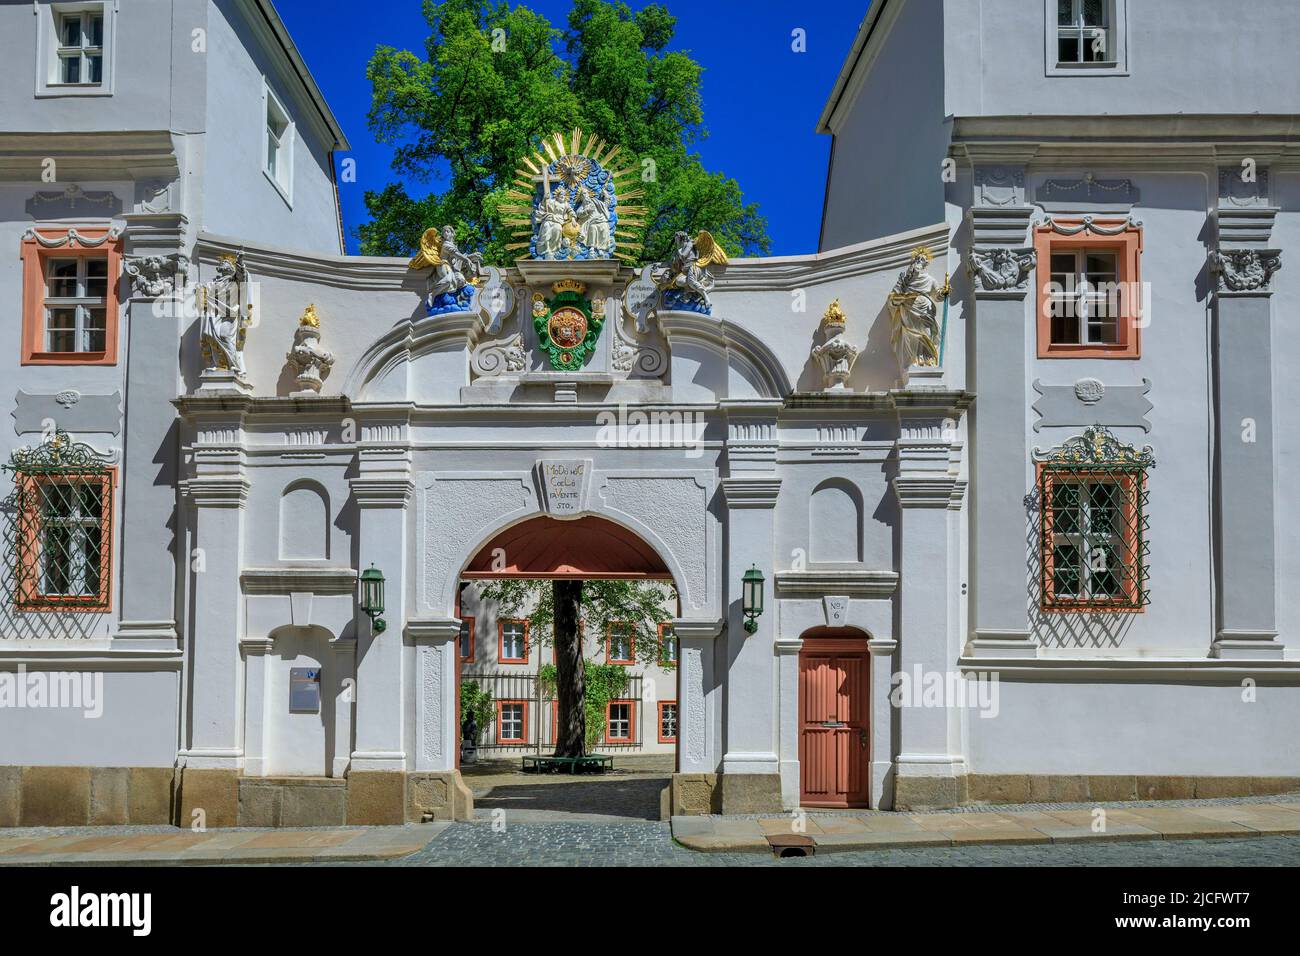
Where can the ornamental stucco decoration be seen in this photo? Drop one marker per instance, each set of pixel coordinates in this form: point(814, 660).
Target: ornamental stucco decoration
point(634, 356)
point(1000, 269)
point(914, 310)
point(1090, 391)
point(569, 201)
point(72, 238)
point(1091, 224)
point(499, 357)
point(312, 362)
point(225, 317)
point(640, 298)
point(153, 277)
point(836, 355)
point(1098, 447)
point(1088, 188)
point(454, 273)
point(1244, 270)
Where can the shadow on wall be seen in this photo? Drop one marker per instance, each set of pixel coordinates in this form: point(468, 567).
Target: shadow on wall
point(32, 625)
point(1064, 629)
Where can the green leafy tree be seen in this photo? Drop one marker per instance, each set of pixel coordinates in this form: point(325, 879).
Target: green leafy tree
point(560, 614)
point(495, 78)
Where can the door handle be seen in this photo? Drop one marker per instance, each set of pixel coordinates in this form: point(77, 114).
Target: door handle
point(862, 738)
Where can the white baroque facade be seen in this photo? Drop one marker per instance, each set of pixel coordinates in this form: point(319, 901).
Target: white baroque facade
point(1061, 545)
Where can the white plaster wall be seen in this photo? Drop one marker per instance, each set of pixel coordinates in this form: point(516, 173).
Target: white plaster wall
point(137, 727)
point(1184, 56)
point(1137, 727)
point(885, 174)
point(250, 205)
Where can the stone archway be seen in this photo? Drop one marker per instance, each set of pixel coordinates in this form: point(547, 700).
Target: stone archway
point(544, 548)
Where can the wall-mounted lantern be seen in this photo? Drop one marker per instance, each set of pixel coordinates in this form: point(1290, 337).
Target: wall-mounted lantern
point(372, 597)
point(752, 597)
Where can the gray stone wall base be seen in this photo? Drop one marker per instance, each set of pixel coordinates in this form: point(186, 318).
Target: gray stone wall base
point(995, 789)
point(695, 794)
point(750, 792)
point(440, 795)
point(85, 796)
point(108, 796)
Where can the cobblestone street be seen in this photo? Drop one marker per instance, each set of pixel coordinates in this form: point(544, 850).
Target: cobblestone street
point(650, 844)
point(631, 791)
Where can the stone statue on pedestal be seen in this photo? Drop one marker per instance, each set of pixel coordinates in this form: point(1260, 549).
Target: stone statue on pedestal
point(914, 308)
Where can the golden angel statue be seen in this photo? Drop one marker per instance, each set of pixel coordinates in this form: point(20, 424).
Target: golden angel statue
point(686, 280)
point(454, 272)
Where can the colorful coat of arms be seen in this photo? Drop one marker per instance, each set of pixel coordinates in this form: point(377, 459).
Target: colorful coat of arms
point(567, 325)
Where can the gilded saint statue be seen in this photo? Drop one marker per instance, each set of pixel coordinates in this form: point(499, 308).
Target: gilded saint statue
point(225, 317)
point(914, 306)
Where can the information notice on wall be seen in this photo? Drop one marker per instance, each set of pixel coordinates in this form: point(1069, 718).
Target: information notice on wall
point(563, 485)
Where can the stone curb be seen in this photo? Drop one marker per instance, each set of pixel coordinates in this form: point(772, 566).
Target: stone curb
point(748, 836)
point(321, 855)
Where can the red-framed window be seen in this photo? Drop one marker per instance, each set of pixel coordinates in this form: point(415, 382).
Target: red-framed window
point(1090, 297)
point(667, 721)
point(465, 642)
point(512, 641)
point(64, 540)
point(620, 643)
point(512, 722)
point(70, 301)
point(1092, 547)
point(620, 722)
point(668, 647)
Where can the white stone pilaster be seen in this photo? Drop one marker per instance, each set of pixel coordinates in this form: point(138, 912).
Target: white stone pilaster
point(382, 490)
point(218, 495)
point(698, 703)
point(930, 494)
point(436, 703)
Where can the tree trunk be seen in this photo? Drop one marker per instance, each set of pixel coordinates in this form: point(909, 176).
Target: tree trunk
point(570, 679)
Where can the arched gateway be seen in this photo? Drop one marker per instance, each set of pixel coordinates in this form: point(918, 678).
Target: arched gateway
point(569, 415)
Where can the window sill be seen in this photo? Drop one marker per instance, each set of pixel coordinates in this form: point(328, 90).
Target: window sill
point(69, 358)
point(1101, 69)
point(1089, 352)
point(286, 195)
point(71, 89)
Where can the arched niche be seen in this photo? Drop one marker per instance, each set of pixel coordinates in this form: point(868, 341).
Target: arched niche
point(835, 522)
point(304, 522)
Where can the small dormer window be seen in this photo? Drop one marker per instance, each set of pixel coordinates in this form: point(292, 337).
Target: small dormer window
point(279, 137)
point(1086, 36)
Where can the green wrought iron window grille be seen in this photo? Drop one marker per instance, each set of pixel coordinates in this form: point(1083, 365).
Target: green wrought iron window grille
point(61, 551)
point(1092, 495)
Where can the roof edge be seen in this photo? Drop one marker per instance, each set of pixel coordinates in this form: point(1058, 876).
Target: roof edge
point(865, 29)
point(272, 17)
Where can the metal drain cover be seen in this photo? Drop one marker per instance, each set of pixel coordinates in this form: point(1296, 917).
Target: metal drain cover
point(791, 844)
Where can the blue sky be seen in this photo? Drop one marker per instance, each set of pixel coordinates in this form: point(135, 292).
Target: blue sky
point(761, 99)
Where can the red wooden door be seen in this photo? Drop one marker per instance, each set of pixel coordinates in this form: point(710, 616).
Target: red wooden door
point(833, 727)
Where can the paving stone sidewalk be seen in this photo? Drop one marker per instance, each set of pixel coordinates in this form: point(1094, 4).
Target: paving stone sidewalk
point(828, 832)
point(127, 846)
